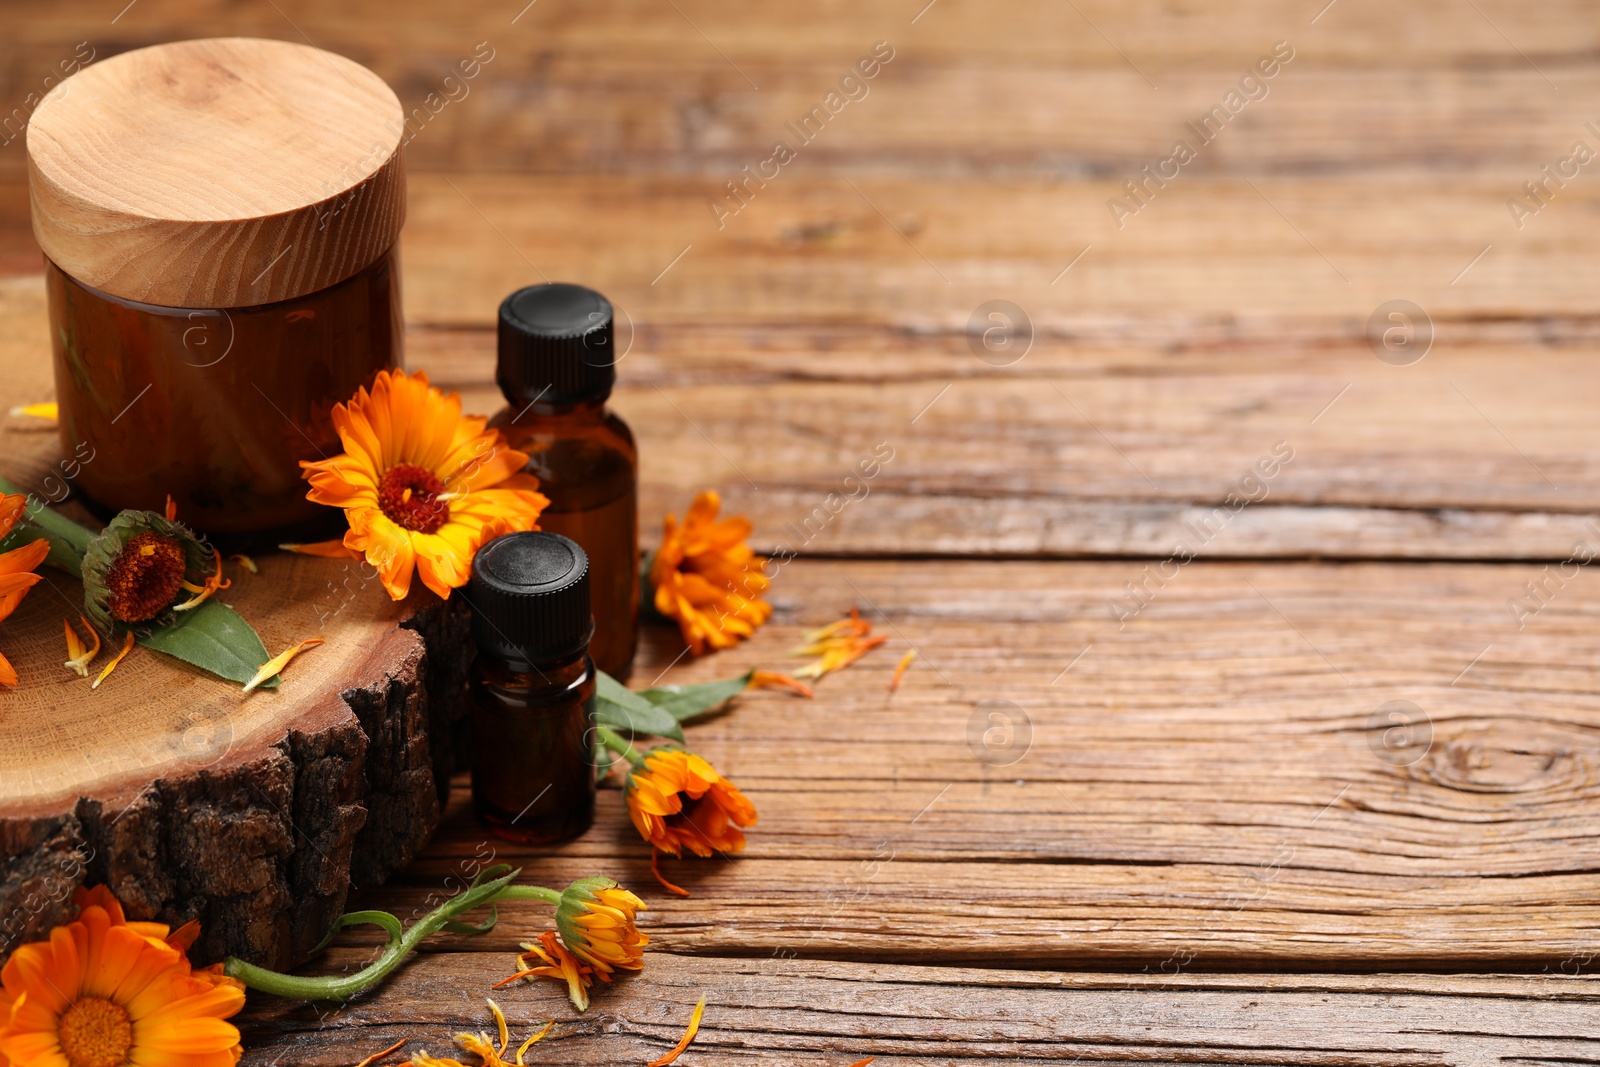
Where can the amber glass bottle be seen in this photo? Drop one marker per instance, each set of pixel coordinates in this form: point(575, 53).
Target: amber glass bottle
point(556, 368)
point(532, 688)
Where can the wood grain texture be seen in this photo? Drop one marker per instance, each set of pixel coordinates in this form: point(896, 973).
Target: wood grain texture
point(1034, 87)
point(810, 1012)
point(1220, 780)
point(1217, 797)
point(137, 187)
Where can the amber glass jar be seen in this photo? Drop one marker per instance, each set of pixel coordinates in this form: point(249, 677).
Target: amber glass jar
point(531, 688)
point(556, 367)
point(219, 220)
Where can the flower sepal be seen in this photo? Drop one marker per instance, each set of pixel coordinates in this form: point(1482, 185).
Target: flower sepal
point(154, 577)
point(133, 571)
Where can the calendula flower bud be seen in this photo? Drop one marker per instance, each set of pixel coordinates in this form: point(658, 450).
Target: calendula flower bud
point(596, 920)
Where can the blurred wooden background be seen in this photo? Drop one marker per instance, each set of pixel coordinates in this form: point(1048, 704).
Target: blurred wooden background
point(1214, 849)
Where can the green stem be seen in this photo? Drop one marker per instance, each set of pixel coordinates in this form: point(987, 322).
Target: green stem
point(484, 890)
point(613, 740)
point(529, 892)
point(68, 540)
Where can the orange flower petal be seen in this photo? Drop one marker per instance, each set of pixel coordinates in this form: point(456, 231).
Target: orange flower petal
point(280, 661)
point(776, 680)
point(127, 646)
point(688, 1036)
point(12, 506)
point(376, 1056)
point(328, 549)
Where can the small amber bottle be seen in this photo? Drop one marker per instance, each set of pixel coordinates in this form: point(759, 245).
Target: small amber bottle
point(532, 688)
point(557, 365)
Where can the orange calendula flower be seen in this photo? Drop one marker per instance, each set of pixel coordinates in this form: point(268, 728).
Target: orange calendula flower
point(837, 645)
point(422, 486)
point(104, 992)
point(16, 570)
point(678, 801)
point(596, 920)
point(708, 579)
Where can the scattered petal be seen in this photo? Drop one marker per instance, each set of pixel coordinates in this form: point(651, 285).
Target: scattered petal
point(127, 646)
point(520, 974)
point(837, 645)
point(172, 509)
point(561, 964)
point(655, 869)
point(533, 1040)
point(376, 1056)
point(204, 592)
point(80, 656)
point(280, 661)
point(48, 410)
point(422, 1059)
point(500, 1024)
point(901, 668)
point(246, 562)
point(779, 680)
point(863, 1063)
point(688, 1036)
point(327, 549)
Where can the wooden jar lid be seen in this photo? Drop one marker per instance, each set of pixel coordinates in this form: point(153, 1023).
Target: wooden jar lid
point(217, 173)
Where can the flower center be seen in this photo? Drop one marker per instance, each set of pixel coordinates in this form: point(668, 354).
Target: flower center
point(410, 494)
point(95, 1033)
point(146, 577)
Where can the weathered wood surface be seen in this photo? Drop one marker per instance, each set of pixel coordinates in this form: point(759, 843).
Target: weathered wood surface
point(1034, 86)
point(814, 1012)
point(1202, 780)
point(1110, 450)
point(1214, 786)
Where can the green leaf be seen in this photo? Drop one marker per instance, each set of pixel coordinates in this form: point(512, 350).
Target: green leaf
point(684, 702)
point(620, 708)
point(214, 638)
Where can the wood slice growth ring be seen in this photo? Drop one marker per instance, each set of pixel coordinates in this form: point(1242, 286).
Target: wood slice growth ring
point(254, 813)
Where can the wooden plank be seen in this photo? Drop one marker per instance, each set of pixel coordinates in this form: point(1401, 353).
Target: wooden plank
point(1104, 451)
point(1220, 779)
point(1039, 88)
point(1208, 266)
point(805, 1011)
point(1216, 255)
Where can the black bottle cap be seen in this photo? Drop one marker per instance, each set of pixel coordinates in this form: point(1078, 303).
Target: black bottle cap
point(529, 594)
point(556, 345)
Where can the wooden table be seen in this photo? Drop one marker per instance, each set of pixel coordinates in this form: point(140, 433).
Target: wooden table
point(1205, 830)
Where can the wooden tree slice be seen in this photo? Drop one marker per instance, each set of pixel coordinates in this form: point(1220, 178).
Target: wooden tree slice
point(254, 813)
